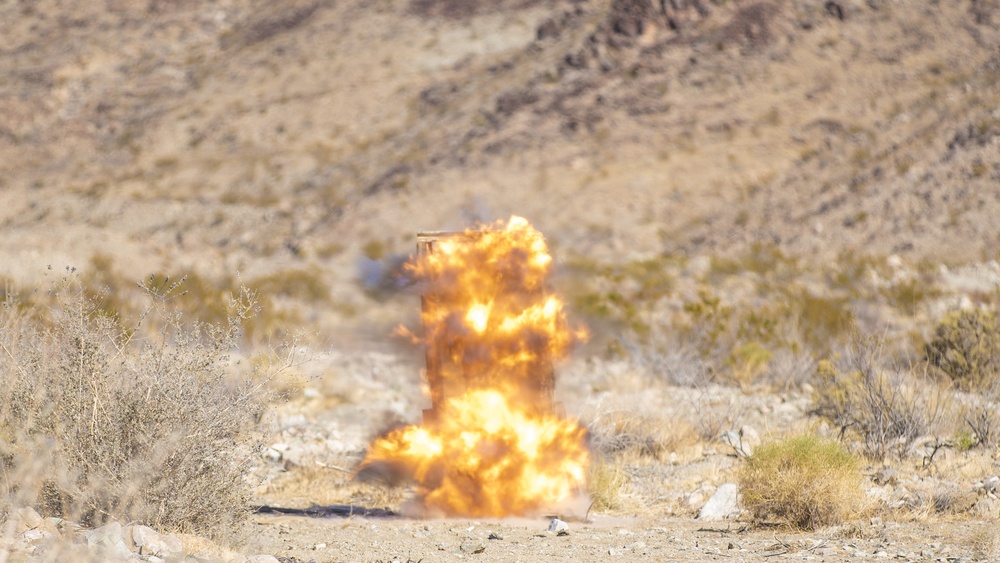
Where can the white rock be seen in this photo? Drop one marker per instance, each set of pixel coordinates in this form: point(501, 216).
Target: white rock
point(32, 535)
point(261, 559)
point(557, 525)
point(987, 508)
point(724, 503)
point(109, 536)
point(150, 542)
point(992, 485)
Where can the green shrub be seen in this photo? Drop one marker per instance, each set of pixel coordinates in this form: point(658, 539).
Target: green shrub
point(804, 482)
point(966, 347)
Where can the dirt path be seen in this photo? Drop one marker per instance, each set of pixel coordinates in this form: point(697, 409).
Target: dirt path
point(302, 539)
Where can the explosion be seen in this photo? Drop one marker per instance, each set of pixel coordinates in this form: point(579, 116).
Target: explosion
point(492, 444)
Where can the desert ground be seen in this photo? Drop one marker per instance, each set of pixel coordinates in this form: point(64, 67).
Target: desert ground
point(775, 219)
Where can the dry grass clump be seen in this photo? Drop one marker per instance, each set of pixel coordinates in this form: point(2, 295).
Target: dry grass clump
point(628, 433)
point(101, 420)
point(804, 482)
point(605, 480)
point(986, 544)
point(966, 347)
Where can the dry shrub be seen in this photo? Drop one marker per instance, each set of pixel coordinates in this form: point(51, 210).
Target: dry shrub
point(804, 482)
point(629, 433)
point(142, 427)
point(966, 347)
point(887, 407)
point(986, 544)
point(747, 363)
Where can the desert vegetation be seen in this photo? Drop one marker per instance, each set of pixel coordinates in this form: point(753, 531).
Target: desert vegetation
point(777, 220)
point(142, 419)
point(803, 481)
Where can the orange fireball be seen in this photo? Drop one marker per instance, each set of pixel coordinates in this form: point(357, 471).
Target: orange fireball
point(491, 445)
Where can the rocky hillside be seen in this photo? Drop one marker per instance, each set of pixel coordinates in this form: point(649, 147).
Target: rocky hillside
point(259, 137)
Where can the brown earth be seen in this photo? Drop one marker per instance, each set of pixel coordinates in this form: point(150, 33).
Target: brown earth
point(254, 138)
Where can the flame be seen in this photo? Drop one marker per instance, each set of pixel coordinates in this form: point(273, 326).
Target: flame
point(491, 445)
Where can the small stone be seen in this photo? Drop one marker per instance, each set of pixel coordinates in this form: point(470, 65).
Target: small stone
point(472, 547)
point(261, 559)
point(875, 521)
point(494, 536)
point(992, 485)
point(557, 525)
point(987, 508)
point(724, 503)
point(885, 476)
point(319, 546)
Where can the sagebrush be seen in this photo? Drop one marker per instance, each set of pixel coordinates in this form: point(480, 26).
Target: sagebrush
point(966, 347)
point(101, 419)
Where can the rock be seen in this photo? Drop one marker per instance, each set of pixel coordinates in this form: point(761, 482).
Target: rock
point(879, 494)
point(150, 542)
point(472, 547)
point(557, 525)
point(724, 503)
point(749, 436)
point(743, 441)
point(109, 537)
point(987, 508)
point(992, 485)
point(885, 476)
point(28, 519)
point(261, 559)
point(696, 499)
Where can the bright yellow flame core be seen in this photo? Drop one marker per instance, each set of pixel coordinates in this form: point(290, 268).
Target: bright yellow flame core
point(487, 458)
point(496, 448)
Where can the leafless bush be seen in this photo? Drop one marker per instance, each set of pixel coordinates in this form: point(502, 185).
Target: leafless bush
point(888, 407)
point(983, 418)
point(136, 426)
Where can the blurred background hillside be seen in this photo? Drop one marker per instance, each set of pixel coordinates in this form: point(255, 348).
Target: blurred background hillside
point(846, 151)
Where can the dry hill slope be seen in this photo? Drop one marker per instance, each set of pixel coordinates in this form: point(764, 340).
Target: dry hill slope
point(258, 137)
